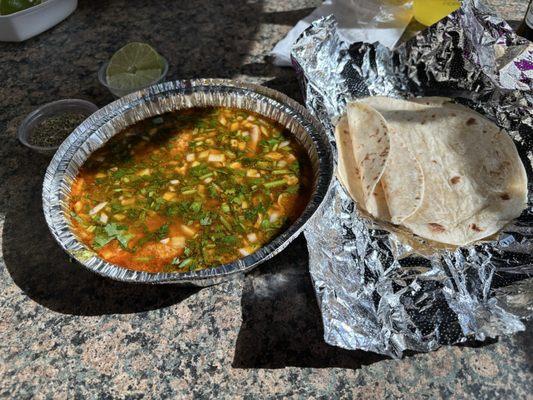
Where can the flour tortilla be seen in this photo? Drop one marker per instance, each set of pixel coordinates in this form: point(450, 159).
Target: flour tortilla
point(446, 173)
point(474, 181)
point(402, 180)
point(350, 177)
point(370, 149)
point(347, 166)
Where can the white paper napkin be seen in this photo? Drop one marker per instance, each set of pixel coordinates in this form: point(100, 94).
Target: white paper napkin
point(359, 21)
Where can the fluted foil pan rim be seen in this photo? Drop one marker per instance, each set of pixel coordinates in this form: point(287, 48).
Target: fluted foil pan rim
point(168, 96)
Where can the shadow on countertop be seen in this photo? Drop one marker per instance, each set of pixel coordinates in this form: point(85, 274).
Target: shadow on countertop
point(281, 322)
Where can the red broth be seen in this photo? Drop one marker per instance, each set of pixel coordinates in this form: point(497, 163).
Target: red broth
point(190, 190)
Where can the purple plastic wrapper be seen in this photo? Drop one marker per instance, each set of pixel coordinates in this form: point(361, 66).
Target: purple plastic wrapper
point(374, 294)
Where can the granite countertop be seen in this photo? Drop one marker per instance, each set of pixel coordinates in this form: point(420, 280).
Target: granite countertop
point(67, 333)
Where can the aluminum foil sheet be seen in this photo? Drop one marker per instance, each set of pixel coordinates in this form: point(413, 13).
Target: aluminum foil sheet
point(95, 131)
point(373, 293)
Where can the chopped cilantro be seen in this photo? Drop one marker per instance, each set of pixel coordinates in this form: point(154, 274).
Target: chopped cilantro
point(196, 206)
point(205, 221)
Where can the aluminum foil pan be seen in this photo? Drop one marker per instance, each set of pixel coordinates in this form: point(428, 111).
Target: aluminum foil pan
point(95, 131)
point(374, 293)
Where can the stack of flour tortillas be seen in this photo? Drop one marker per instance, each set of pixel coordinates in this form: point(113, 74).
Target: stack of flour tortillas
point(437, 168)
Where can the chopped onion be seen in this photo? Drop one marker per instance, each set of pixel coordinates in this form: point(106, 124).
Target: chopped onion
point(177, 241)
point(252, 237)
point(98, 208)
point(78, 206)
point(274, 155)
point(174, 181)
point(255, 136)
point(245, 251)
point(216, 158)
point(252, 173)
point(259, 220)
point(187, 230)
point(165, 240)
point(103, 218)
point(190, 157)
point(128, 202)
point(291, 179)
point(274, 215)
point(144, 172)
point(168, 196)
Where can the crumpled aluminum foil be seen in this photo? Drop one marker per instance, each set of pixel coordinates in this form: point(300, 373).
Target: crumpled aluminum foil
point(373, 294)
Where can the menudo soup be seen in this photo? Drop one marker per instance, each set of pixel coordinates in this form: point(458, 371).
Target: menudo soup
point(189, 190)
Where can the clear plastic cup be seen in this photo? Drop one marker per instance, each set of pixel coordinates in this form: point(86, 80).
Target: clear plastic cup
point(33, 119)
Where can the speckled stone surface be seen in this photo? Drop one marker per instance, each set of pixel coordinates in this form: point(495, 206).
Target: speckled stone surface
point(66, 333)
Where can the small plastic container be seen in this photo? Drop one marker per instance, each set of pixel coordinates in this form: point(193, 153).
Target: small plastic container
point(120, 92)
point(33, 119)
point(27, 23)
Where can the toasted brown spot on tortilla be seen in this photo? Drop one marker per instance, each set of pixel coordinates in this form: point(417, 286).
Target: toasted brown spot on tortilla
point(476, 228)
point(505, 196)
point(455, 179)
point(434, 161)
point(432, 115)
point(471, 121)
point(436, 227)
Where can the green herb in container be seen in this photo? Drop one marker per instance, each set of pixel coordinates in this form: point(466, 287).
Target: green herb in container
point(44, 129)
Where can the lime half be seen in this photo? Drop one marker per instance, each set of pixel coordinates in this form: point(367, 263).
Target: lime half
point(134, 66)
point(12, 6)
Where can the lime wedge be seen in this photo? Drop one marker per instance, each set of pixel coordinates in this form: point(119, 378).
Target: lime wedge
point(134, 66)
point(12, 6)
